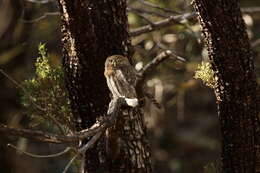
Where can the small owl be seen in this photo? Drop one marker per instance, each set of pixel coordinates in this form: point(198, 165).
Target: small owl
point(121, 78)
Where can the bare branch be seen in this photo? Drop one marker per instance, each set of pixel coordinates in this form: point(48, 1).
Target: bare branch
point(46, 14)
point(70, 162)
point(175, 20)
point(161, 24)
point(91, 143)
point(157, 7)
point(250, 10)
point(113, 111)
point(145, 18)
point(144, 11)
point(39, 1)
point(40, 156)
point(142, 74)
point(157, 60)
point(38, 135)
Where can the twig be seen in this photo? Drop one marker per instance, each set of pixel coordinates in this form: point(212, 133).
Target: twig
point(70, 162)
point(250, 10)
point(90, 143)
point(145, 18)
point(46, 14)
point(157, 7)
point(39, 1)
point(160, 24)
point(40, 156)
point(142, 74)
point(157, 60)
point(144, 11)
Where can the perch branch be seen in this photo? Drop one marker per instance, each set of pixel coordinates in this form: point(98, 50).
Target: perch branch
point(38, 135)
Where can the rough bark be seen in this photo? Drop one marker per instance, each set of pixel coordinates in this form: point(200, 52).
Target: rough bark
point(236, 88)
point(92, 31)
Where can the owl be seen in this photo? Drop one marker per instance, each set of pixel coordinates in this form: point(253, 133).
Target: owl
point(121, 78)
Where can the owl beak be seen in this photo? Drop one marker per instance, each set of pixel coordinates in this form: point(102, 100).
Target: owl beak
point(114, 64)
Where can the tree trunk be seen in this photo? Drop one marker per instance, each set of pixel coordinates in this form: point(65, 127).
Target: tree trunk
point(92, 31)
point(236, 88)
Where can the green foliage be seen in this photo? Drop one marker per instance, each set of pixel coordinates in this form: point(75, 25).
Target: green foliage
point(206, 74)
point(45, 96)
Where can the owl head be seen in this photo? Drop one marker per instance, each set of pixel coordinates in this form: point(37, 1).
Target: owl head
point(117, 61)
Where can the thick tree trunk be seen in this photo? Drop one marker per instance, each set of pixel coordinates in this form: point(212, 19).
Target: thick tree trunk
point(92, 31)
point(236, 88)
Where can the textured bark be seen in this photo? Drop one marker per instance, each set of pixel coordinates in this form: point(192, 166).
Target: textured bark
point(92, 31)
point(236, 88)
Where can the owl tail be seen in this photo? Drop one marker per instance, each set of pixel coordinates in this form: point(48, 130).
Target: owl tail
point(153, 100)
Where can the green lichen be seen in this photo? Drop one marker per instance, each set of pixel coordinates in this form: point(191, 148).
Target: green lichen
point(206, 74)
point(45, 97)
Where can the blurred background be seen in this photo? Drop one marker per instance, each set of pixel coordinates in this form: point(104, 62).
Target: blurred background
point(184, 134)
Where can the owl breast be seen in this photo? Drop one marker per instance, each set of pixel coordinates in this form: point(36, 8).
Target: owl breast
point(109, 71)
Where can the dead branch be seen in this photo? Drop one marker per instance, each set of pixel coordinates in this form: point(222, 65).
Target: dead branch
point(145, 11)
point(157, 60)
point(38, 135)
point(152, 5)
point(113, 111)
point(250, 10)
point(45, 15)
point(175, 20)
point(143, 73)
point(161, 24)
point(40, 156)
point(39, 2)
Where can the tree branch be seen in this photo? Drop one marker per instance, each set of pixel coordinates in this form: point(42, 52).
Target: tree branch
point(176, 19)
point(152, 5)
point(113, 111)
point(157, 60)
point(162, 23)
point(40, 156)
point(38, 135)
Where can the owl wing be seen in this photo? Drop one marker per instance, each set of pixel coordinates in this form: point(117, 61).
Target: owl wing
point(126, 79)
point(113, 86)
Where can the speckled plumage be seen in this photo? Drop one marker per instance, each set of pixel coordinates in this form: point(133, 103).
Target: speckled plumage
point(121, 76)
